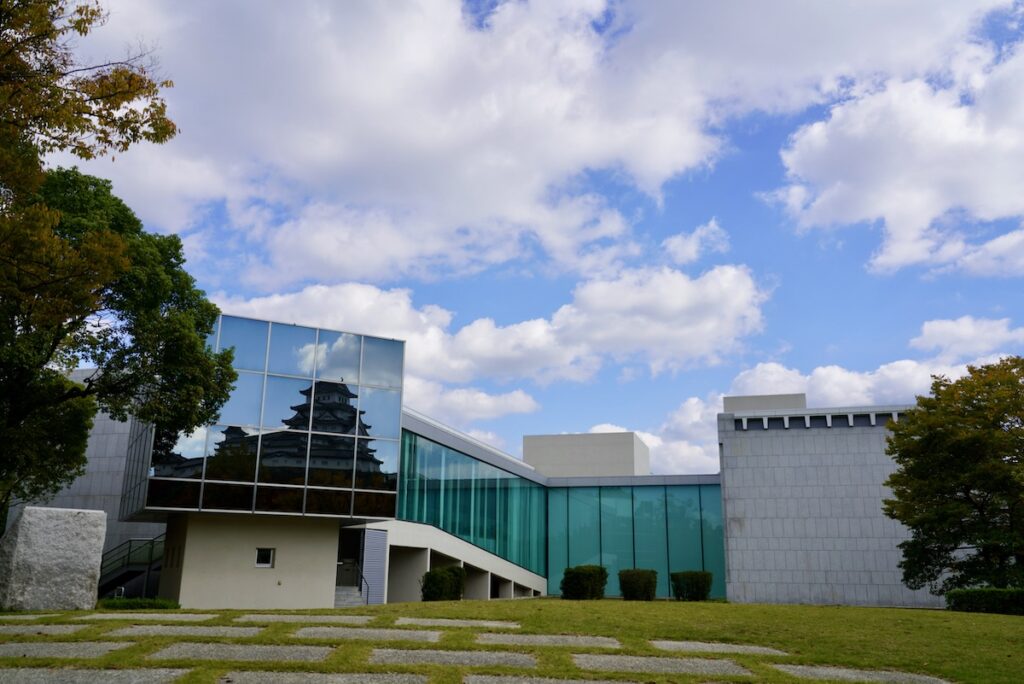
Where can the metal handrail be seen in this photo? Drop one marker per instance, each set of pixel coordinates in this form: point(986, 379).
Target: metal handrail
point(363, 580)
point(134, 551)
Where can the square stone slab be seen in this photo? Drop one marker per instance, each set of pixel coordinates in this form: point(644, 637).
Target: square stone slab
point(368, 634)
point(845, 674)
point(57, 649)
point(28, 675)
point(185, 630)
point(23, 616)
point(165, 617)
point(41, 629)
point(548, 640)
point(319, 678)
point(490, 679)
point(387, 656)
point(697, 666)
point(715, 647)
point(195, 651)
point(336, 619)
point(446, 622)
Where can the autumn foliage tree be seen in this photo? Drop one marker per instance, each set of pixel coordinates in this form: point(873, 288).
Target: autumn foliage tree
point(959, 486)
point(81, 283)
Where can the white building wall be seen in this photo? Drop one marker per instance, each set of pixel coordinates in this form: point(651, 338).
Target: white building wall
point(803, 510)
point(603, 454)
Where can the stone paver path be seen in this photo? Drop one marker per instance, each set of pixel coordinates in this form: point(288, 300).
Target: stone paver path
point(57, 649)
point(335, 619)
point(197, 651)
point(698, 666)
point(41, 629)
point(184, 630)
point(387, 656)
point(166, 617)
point(28, 675)
point(715, 647)
point(22, 616)
point(845, 674)
point(548, 640)
point(319, 678)
point(368, 634)
point(446, 622)
point(490, 679)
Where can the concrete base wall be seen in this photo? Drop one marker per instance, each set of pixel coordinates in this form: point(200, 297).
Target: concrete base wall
point(803, 511)
point(406, 566)
point(218, 562)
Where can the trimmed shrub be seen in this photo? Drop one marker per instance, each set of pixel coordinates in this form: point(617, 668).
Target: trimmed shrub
point(691, 585)
point(638, 584)
point(584, 582)
point(986, 600)
point(443, 584)
point(137, 604)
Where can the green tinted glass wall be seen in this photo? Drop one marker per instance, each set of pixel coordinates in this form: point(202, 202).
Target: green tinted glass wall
point(663, 528)
point(475, 501)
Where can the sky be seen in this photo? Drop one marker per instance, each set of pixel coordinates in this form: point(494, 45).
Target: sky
point(590, 215)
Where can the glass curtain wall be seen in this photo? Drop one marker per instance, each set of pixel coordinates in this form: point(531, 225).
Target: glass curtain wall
point(475, 501)
point(663, 528)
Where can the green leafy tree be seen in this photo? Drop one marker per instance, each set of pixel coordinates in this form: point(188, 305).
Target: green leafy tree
point(80, 282)
point(959, 486)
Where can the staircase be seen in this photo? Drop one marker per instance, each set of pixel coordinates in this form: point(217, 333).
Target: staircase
point(128, 561)
point(348, 597)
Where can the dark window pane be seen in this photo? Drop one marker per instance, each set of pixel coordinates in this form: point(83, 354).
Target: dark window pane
point(243, 406)
point(334, 407)
point(380, 412)
point(328, 502)
point(330, 461)
point(374, 505)
point(382, 362)
point(377, 464)
point(279, 499)
point(171, 494)
point(178, 455)
point(249, 339)
point(283, 457)
point(227, 497)
point(337, 356)
point(292, 349)
point(287, 403)
point(231, 454)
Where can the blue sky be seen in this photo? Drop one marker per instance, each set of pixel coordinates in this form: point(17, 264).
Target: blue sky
point(587, 215)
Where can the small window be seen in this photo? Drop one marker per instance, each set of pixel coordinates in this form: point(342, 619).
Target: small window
point(264, 558)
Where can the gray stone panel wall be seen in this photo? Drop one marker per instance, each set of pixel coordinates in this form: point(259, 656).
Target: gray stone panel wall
point(803, 513)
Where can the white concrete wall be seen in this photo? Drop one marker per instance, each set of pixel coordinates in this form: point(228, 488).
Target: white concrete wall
point(218, 566)
point(603, 454)
point(803, 511)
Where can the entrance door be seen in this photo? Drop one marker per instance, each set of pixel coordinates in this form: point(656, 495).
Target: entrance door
point(350, 557)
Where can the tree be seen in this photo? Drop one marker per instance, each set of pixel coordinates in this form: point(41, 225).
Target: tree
point(81, 283)
point(959, 485)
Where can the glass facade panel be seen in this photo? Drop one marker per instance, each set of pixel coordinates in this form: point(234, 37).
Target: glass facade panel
point(231, 454)
point(650, 534)
point(286, 404)
point(249, 340)
point(380, 412)
point(558, 539)
point(616, 533)
point(227, 497)
point(382, 362)
point(292, 350)
point(279, 499)
point(373, 504)
point(377, 464)
point(173, 494)
point(475, 501)
point(328, 502)
point(283, 457)
point(713, 537)
point(337, 356)
point(334, 408)
point(243, 406)
point(331, 460)
point(683, 512)
point(183, 458)
point(584, 526)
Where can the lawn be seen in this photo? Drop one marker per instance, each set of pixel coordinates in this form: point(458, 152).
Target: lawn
point(955, 646)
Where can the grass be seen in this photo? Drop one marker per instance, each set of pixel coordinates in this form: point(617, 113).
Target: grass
point(963, 647)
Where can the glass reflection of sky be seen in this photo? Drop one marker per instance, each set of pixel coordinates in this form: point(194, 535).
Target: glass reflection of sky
point(382, 362)
point(337, 356)
point(249, 339)
point(291, 350)
point(282, 395)
point(243, 406)
point(381, 411)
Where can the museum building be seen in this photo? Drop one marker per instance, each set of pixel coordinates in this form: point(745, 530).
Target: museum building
point(317, 489)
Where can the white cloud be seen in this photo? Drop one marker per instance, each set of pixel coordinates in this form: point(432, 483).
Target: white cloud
point(685, 248)
point(928, 161)
point(967, 337)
